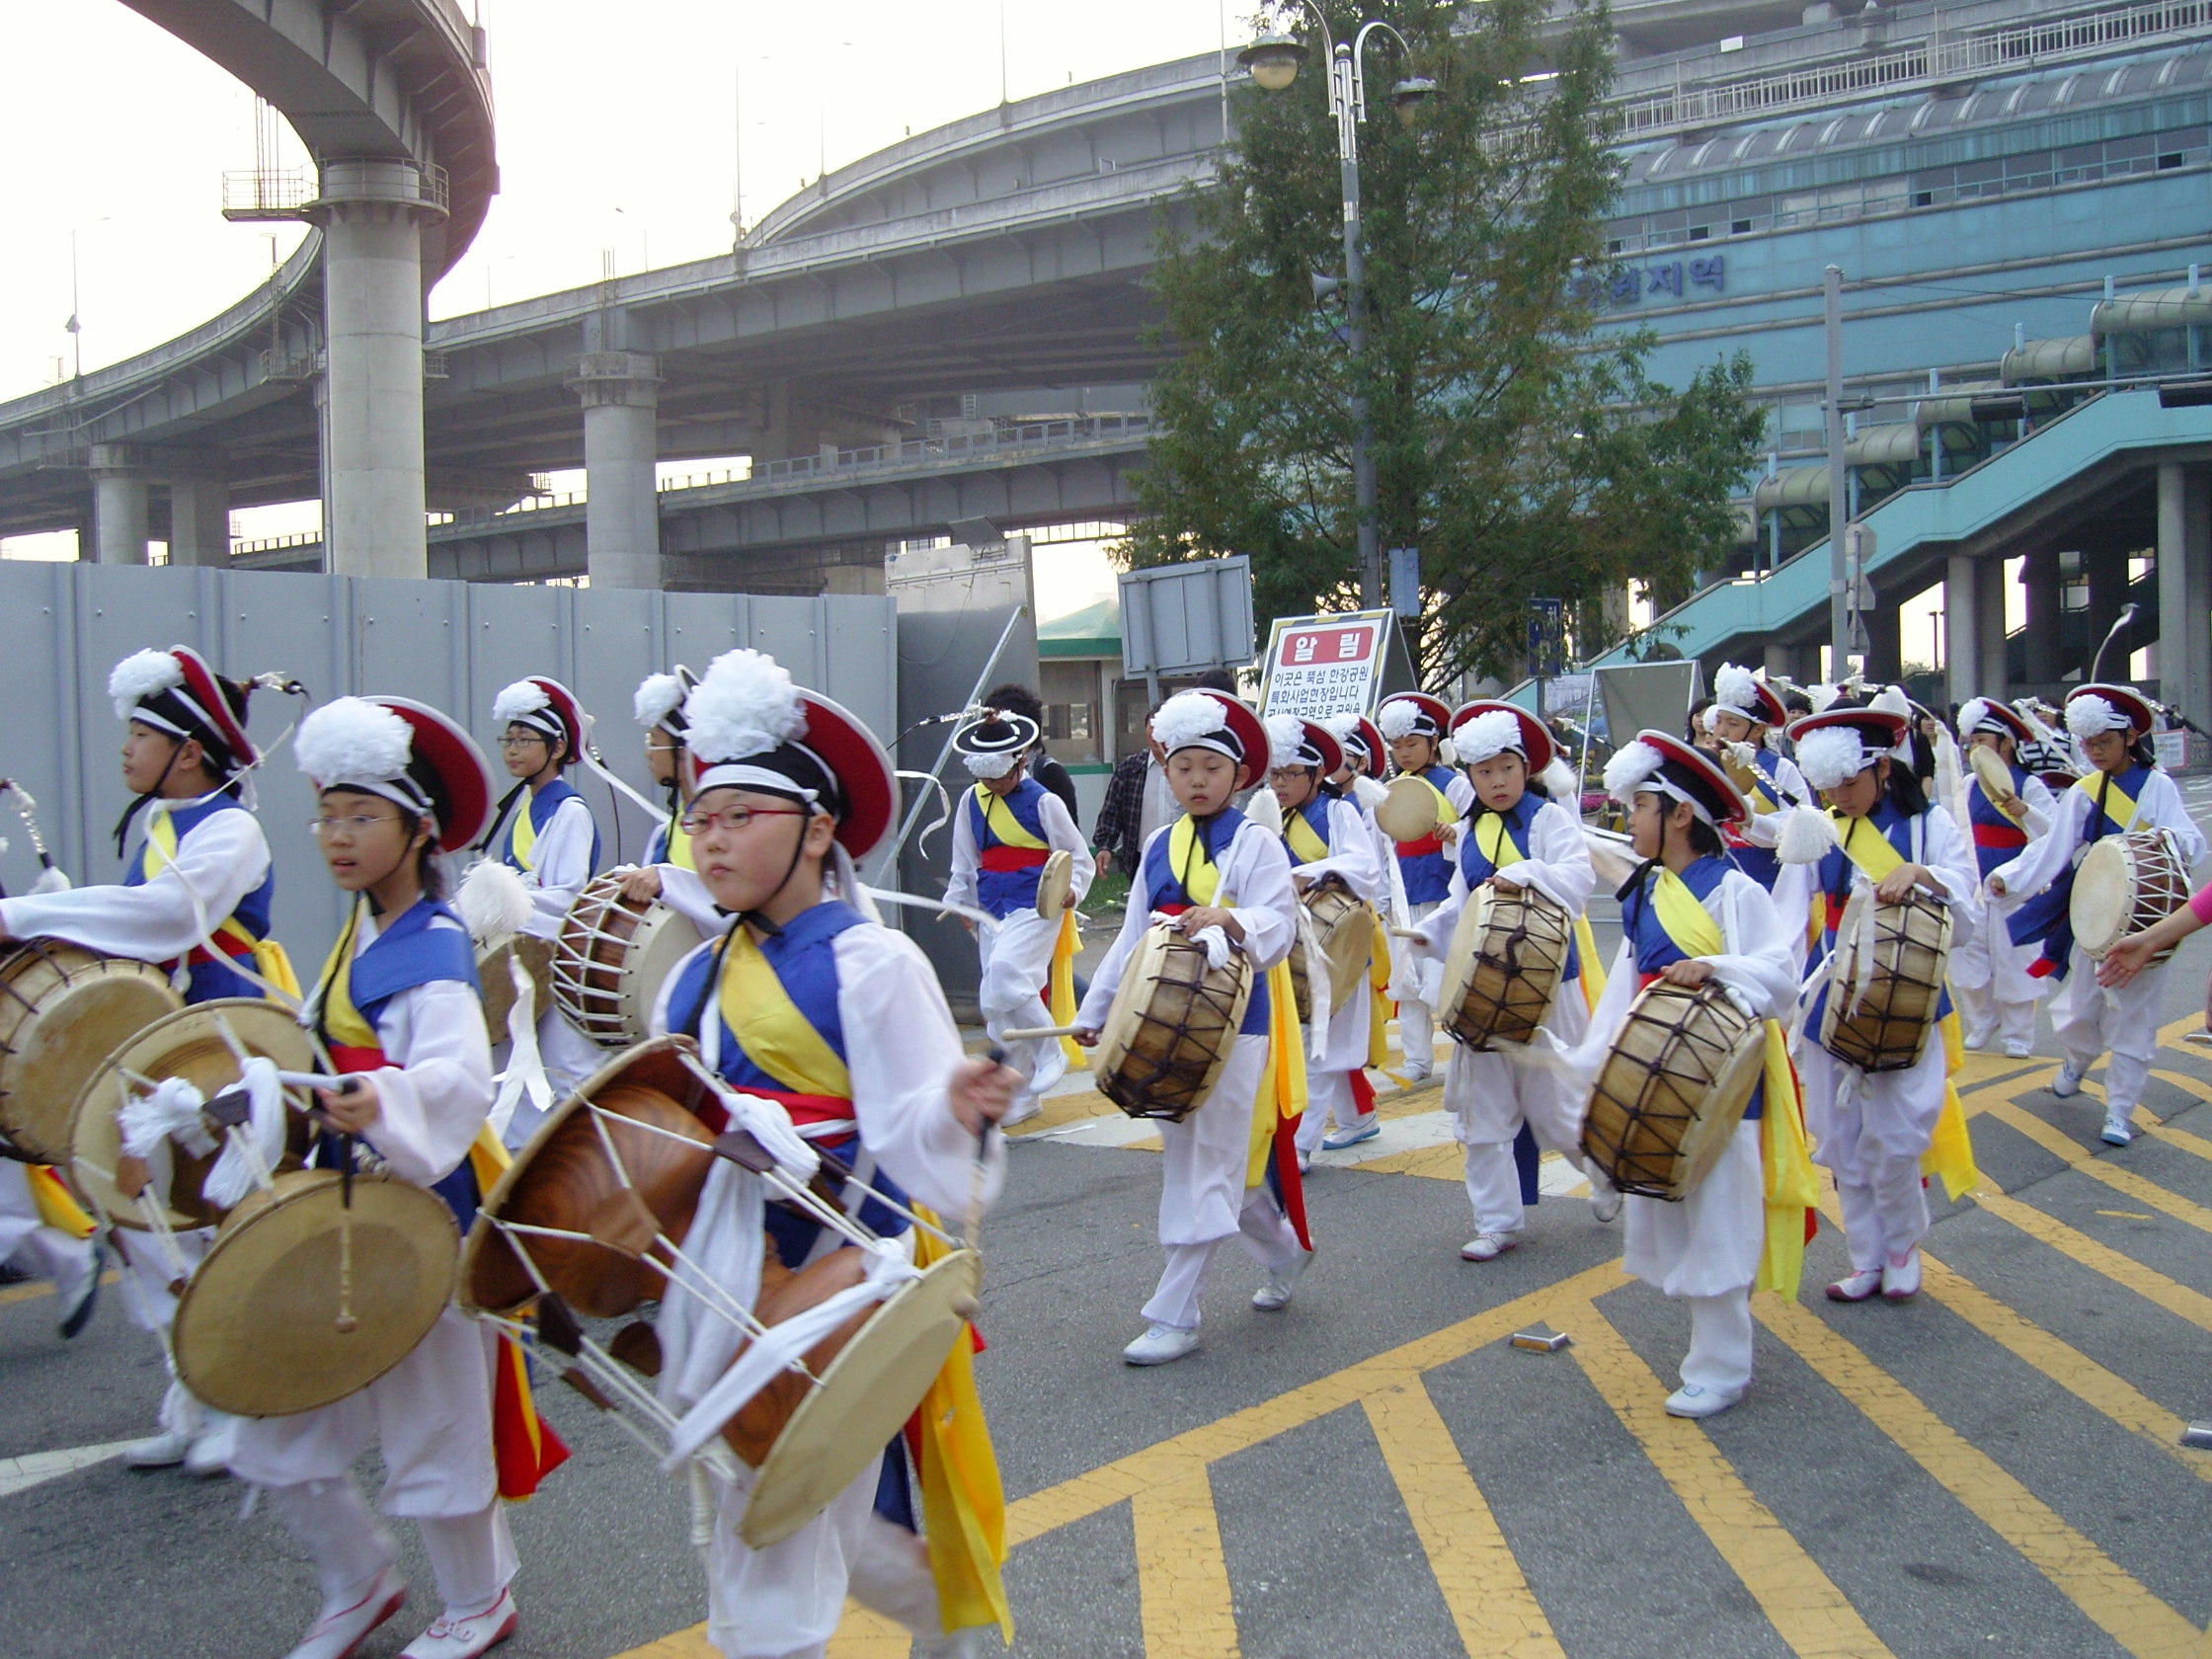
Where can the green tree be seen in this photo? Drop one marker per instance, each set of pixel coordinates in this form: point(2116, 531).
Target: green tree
point(1521, 454)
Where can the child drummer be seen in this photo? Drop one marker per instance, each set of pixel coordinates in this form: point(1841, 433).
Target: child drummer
point(397, 1006)
point(1989, 973)
point(1221, 878)
point(1005, 830)
point(1329, 840)
point(1413, 725)
point(1690, 916)
point(669, 872)
point(1517, 836)
point(1874, 1130)
point(810, 1002)
point(1742, 712)
point(2127, 790)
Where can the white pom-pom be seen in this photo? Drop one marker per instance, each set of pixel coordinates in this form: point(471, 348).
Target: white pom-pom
point(1971, 714)
point(744, 705)
point(1823, 696)
point(1807, 835)
point(1487, 736)
point(1891, 699)
point(1559, 782)
point(353, 740)
point(1396, 718)
point(659, 696)
point(1185, 718)
point(2089, 714)
point(493, 901)
point(142, 674)
point(988, 766)
point(1286, 736)
point(1735, 688)
point(1711, 718)
point(1264, 810)
point(518, 701)
point(1631, 764)
point(1831, 755)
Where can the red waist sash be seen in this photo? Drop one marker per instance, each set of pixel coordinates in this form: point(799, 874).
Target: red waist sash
point(805, 1109)
point(2000, 835)
point(1431, 842)
point(348, 1061)
point(1013, 858)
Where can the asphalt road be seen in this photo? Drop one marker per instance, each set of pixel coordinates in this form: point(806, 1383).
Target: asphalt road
point(1375, 1470)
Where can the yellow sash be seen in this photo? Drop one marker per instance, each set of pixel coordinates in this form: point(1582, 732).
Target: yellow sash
point(1951, 1149)
point(1001, 819)
point(678, 850)
point(1060, 985)
point(1491, 839)
point(1283, 1082)
point(2119, 805)
point(57, 1206)
point(1189, 861)
point(1307, 848)
point(771, 1030)
point(269, 958)
point(1378, 1005)
point(1785, 1156)
point(521, 835)
point(348, 1029)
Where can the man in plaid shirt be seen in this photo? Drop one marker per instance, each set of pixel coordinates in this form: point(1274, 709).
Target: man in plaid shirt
point(1119, 832)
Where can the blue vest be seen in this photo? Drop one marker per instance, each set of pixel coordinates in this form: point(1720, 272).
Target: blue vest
point(1998, 841)
point(1834, 874)
point(542, 808)
point(2047, 917)
point(410, 953)
point(207, 981)
point(1428, 875)
point(1760, 863)
point(1003, 892)
point(1475, 866)
point(1164, 891)
point(805, 959)
point(1655, 948)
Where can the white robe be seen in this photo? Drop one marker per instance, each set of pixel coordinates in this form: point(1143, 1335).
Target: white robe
point(561, 867)
point(1984, 959)
point(1416, 976)
point(1354, 859)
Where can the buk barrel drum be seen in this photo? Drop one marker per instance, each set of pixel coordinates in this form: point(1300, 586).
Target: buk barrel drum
point(496, 979)
point(2125, 883)
point(1508, 955)
point(595, 1210)
point(611, 958)
point(1673, 1089)
point(1173, 1021)
point(1407, 810)
point(315, 1286)
point(1055, 882)
point(195, 1045)
point(1344, 927)
point(65, 1010)
point(1996, 778)
point(1885, 981)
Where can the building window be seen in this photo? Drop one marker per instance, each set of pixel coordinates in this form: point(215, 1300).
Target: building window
point(2170, 160)
point(1923, 198)
point(1699, 233)
point(1739, 227)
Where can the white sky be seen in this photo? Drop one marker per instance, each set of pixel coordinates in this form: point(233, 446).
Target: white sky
point(611, 135)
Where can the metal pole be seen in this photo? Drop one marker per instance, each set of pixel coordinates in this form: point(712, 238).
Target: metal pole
point(1838, 587)
point(1342, 105)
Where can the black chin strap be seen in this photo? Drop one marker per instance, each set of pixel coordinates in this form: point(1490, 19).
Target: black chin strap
point(131, 812)
point(499, 819)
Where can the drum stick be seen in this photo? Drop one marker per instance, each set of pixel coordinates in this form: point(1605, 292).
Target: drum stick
point(1033, 1034)
point(1408, 933)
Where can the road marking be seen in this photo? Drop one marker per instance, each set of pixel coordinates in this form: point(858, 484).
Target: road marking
point(2152, 1285)
point(2064, 1148)
point(2091, 1580)
point(18, 1474)
point(1482, 1585)
point(1182, 1578)
point(42, 1288)
point(1799, 1600)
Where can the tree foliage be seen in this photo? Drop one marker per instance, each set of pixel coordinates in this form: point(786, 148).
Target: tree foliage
point(1521, 453)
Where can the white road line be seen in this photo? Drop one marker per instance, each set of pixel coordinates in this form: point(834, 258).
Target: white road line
point(19, 1474)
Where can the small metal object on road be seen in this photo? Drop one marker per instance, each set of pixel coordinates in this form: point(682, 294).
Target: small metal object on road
point(1550, 1342)
point(2198, 1435)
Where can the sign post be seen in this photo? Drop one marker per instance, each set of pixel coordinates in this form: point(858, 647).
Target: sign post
point(1319, 665)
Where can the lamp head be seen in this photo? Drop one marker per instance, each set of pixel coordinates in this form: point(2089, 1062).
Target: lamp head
point(1272, 60)
point(1408, 97)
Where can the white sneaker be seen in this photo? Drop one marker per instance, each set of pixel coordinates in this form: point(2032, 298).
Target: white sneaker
point(464, 1636)
point(1976, 1041)
point(1276, 1292)
point(1418, 1071)
point(1901, 1280)
point(165, 1450)
point(2117, 1132)
point(2068, 1083)
point(338, 1632)
point(1162, 1345)
point(1340, 1137)
point(1690, 1400)
point(1020, 1112)
point(1487, 1246)
point(1856, 1286)
point(2018, 1047)
point(211, 1446)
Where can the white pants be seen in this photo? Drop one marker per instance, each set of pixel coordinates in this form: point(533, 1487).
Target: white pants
point(1328, 1095)
point(1990, 981)
point(1705, 1251)
point(2087, 1019)
point(1422, 975)
point(1872, 1129)
point(1719, 1357)
point(1491, 1093)
point(48, 1252)
point(1268, 1236)
point(1017, 961)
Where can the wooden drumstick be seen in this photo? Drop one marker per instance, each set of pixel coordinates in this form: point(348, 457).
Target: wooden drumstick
point(1032, 1034)
point(1408, 933)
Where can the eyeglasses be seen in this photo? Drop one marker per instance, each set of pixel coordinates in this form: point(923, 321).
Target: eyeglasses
point(355, 825)
point(521, 739)
point(735, 819)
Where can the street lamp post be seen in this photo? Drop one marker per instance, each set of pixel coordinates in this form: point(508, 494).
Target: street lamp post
point(1273, 62)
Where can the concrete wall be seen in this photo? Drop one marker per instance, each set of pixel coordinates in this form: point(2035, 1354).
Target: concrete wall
point(449, 644)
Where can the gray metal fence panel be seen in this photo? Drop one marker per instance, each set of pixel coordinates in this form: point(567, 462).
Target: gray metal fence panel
point(449, 644)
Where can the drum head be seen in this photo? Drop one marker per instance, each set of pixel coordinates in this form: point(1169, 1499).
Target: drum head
point(1166, 1038)
point(190, 1045)
point(1709, 1137)
point(1458, 956)
point(1407, 810)
point(1055, 882)
point(564, 1179)
point(1990, 767)
point(1672, 1090)
point(82, 1007)
point(662, 941)
point(866, 1396)
point(1346, 928)
point(2103, 902)
point(497, 982)
point(256, 1326)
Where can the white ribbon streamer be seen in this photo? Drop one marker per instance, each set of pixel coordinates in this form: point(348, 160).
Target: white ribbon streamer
point(525, 1076)
point(250, 1151)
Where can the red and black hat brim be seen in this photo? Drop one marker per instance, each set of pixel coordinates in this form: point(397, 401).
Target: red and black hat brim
point(1371, 740)
point(1434, 707)
point(464, 775)
point(1884, 727)
point(1536, 737)
point(2126, 698)
point(1700, 773)
point(205, 689)
point(1322, 741)
point(864, 773)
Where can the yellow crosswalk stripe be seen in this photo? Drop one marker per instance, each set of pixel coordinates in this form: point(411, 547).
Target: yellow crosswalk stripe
point(2064, 1148)
point(2148, 1283)
point(1490, 1600)
point(1799, 1600)
point(862, 1634)
point(1182, 1580)
point(2142, 1624)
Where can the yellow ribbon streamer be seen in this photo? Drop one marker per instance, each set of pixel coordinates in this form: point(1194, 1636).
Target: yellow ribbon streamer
point(57, 1206)
point(1283, 1084)
point(1062, 980)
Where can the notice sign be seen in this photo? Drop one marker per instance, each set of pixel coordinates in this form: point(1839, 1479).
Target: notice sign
point(1319, 665)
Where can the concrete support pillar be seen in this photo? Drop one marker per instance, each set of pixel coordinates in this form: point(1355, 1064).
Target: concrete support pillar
point(120, 517)
point(200, 517)
point(372, 214)
point(1974, 627)
point(1798, 664)
point(2040, 577)
point(2185, 594)
point(621, 394)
